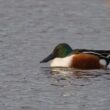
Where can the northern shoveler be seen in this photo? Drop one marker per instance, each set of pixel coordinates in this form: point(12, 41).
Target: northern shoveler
point(64, 56)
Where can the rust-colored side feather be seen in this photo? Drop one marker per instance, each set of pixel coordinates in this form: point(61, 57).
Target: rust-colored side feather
point(86, 61)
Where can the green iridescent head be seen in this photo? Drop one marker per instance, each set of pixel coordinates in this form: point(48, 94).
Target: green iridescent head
point(61, 50)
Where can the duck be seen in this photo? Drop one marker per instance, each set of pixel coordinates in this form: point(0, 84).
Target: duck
point(64, 56)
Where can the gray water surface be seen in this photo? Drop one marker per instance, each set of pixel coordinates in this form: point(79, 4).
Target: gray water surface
point(29, 30)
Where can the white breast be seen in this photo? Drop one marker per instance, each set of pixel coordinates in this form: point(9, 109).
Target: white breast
point(62, 62)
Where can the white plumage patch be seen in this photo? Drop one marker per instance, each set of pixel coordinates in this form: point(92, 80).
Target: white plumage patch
point(103, 62)
point(108, 66)
point(62, 62)
point(108, 56)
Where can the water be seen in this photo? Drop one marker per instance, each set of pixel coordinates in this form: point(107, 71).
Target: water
point(29, 30)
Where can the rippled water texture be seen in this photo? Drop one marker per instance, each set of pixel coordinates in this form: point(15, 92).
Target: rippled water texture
point(29, 30)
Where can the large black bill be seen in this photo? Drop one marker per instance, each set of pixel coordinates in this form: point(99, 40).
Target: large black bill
point(50, 57)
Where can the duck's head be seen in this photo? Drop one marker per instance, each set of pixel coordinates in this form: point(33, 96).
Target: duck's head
point(61, 50)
